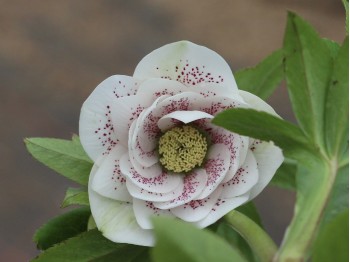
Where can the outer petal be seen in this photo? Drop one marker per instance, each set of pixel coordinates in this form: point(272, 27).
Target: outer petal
point(108, 180)
point(153, 88)
point(116, 220)
point(144, 210)
point(269, 158)
point(246, 177)
point(189, 64)
point(196, 210)
point(221, 208)
point(256, 102)
point(96, 129)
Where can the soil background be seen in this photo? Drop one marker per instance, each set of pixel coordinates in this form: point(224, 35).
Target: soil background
point(54, 53)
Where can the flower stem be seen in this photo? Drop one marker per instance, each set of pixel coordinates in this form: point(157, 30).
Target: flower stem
point(260, 242)
point(309, 212)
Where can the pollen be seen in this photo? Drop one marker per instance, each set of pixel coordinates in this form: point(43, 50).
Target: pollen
point(181, 149)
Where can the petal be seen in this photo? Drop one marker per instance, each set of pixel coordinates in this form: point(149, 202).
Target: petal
point(185, 117)
point(256, 102)
point(142, 194)
point(96, 130)
point(232, 141)
point(246, 177)
point(196, 210)
point(216, 168)
point(188, 63)
point(153, 88)
point(124, 111)
point(221, 208)
point(116, 220)
point(158, 183)
point(108, 180)
point(144, 210)
point(269, 158)
point(194, 184)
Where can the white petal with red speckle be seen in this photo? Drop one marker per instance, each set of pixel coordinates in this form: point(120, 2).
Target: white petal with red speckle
point(246, 177)
point(194, 184)
point(221, 208)
point(188, 63)
point(268, 157)
point(124, 111)
point(145, 210)
point(96, 130)
point(142, 194)
point(160, 183)
point(170, 120)
point(108, 180)
point(216, 167)
point(115, 219)
point(196, 210)
point(153, 88)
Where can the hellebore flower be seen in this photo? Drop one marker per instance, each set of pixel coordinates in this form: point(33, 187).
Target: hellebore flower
point(156, 152)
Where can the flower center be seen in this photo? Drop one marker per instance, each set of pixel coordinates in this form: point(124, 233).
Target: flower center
point(182, 148)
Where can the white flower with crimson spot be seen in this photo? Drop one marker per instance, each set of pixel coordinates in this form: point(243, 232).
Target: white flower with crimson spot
point(156, 152)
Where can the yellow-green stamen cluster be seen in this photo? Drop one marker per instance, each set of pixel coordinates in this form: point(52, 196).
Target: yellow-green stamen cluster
point(182, 148)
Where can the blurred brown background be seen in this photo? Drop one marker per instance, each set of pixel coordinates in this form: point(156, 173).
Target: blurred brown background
point(53, 53)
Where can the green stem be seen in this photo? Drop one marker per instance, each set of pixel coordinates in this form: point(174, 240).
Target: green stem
point(308, 214)
point(260, 242)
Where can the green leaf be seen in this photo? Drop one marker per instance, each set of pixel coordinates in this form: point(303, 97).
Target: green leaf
point(285, 175)
point(62, 227)
point(91, 246)
point(264, 78)
point(65, 157)
point(264, 126)
point(180, 241)
point(308, 65)
point(76, 196)
point(337, 104)
point(333, 47)
point(126, 253)
point(332, 244)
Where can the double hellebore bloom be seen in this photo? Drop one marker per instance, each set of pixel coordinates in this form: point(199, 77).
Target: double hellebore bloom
point(156, 152)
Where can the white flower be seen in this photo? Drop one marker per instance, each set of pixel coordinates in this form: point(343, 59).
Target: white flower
point(156, 151)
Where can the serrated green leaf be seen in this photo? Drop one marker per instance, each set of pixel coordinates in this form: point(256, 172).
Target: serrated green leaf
point(180, 241)
point(308, 65)
point(62, 227)
point(285, 175)
point(264, 78)
point(68, 158)
point(84, 247)
point(76, 196)
point(332, 243)
point(337, 104)
point(264, 126)
point(333, 47)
